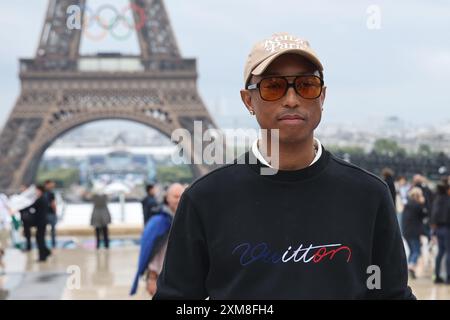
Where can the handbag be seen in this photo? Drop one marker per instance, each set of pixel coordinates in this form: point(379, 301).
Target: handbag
point(28, 216)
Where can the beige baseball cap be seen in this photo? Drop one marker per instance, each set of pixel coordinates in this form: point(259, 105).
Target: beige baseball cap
point(267, 50)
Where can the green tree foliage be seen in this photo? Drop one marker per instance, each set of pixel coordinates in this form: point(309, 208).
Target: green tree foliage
point(170, 174)
point(63, 177)
point(388, 147)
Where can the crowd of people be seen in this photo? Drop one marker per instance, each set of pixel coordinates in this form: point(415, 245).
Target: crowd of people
point(423, 210)
point(36, 207)
point(424, 215)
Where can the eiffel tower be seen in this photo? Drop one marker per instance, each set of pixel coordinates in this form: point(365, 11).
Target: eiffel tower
point(59, 91)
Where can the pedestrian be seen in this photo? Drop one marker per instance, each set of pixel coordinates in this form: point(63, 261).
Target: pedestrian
point(403, 189)
point(440, 224)
point(154, 240)
point(40, 210)
point(101, 218)
point(149, 203)
point(5, 213)
point(51, 215)
point(412, 225)
point(388, 177)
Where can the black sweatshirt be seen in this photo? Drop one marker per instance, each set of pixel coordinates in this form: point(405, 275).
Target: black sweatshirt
point(303, 234)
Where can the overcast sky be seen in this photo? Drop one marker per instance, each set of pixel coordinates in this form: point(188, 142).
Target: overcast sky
point(401, 69)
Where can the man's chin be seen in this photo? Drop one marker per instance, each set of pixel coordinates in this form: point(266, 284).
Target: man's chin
point(293, 139)
point(290, 136)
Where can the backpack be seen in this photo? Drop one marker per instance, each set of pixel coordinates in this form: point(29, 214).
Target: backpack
point(28, 216)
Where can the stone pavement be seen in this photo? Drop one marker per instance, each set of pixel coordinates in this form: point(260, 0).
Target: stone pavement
point(78, 271)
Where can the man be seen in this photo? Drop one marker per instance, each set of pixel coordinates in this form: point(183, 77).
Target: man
point(5, 217)
point(40, 208)
point(149, 203)
point(388, 178)
point(421, 182)
point(403, 188)
point(51, 215)
point(440, 224)
point(27, 221)
point(154, 240)
point(316, 229)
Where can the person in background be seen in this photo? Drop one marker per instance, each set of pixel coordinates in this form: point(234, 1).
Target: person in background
point(40, 208)
point(421, 182)
point(100, 218)
point(440, 224)
point(2, 264)
point(403, 188)
point(51, 215)
point(5, 213)
point(154, 240)
point(149, 203)
point(27, 222)
point(388, 177)
point(412, 226)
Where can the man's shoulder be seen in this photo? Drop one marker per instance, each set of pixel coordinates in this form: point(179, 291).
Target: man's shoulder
point(222, 176)
point(355, 174)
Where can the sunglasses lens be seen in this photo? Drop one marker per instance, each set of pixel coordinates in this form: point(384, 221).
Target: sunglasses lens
point(272, 88)
point(309, 87)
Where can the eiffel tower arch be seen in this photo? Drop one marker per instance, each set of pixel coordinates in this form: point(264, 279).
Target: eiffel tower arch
point(61, 89)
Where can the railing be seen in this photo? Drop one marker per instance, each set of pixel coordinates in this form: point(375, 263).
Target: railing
point(112, 63)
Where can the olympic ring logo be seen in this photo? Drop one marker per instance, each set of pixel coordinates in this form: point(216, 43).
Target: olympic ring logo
point(109, 18)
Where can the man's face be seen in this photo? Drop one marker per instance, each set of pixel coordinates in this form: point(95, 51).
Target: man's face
point(417, 179)
point(269, 113)
point(50, 185)
point(173, 195)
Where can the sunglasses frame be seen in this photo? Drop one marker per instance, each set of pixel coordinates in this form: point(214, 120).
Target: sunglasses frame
point(257, 85)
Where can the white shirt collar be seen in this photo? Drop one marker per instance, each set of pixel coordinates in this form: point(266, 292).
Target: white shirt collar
point(261, 159)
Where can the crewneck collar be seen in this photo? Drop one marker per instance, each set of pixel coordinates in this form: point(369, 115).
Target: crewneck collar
point(258, 154)
point(287, 175)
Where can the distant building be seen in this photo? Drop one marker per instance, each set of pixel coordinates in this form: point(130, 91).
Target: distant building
point(118, 161)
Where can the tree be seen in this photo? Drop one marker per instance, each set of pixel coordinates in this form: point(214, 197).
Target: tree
point(63, 177)
point(388, 147)
point(424, 150)
point(351, 150)
point(170, 174)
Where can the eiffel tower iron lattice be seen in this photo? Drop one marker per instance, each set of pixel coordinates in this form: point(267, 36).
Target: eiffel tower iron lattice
point(60, 90)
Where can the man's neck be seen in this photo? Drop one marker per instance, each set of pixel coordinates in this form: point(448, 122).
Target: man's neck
point(292, 156)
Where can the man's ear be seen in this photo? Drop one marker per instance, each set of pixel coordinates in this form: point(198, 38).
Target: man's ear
point(246, 99)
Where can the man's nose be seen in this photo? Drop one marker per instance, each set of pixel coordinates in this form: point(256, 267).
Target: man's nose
point(291, 98)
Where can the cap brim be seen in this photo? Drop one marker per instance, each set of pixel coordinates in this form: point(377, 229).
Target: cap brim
point(265, 63)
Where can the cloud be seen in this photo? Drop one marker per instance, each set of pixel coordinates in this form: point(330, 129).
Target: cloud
point(434, 62)
point(409, 51)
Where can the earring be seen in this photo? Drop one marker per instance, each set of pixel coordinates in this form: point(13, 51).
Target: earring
point(252, 112)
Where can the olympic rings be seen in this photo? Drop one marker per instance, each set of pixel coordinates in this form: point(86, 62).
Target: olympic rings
point(121, 37)
point(87, 23)
point(98, 15)
point(140, 12)
point(110, 25)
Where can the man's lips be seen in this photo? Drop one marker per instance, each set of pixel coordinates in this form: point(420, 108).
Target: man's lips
point(291, 117)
